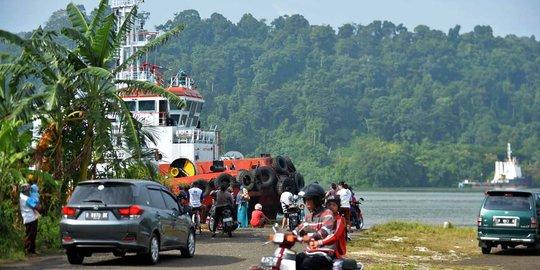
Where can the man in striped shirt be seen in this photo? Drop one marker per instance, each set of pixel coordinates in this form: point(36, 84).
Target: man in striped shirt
point(318, 225)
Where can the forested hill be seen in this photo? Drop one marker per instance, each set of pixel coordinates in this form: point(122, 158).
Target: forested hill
point(377, 105)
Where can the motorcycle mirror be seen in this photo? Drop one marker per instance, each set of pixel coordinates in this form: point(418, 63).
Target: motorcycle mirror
point(275, 227)
point(362, 199)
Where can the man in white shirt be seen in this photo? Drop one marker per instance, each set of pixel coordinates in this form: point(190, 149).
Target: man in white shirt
point(286, 200)
point(345, 208)
point(195, 197)
point(28, 206)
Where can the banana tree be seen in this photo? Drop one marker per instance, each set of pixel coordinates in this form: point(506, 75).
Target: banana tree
point(79, 93)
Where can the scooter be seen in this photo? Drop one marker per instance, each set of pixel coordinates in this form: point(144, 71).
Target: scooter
point(359, 213)
point(285, 258)
point(225, 224)
point(294, 216)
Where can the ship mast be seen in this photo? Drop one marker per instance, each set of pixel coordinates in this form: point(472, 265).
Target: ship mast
point(509, 151)
point(137, 38)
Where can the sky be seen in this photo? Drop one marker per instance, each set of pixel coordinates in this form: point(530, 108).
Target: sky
point(518, 17)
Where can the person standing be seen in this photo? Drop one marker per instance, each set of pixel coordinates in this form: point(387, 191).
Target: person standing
point(30, 219)
point(242, 199)
point(345, 208)
point(286, 200)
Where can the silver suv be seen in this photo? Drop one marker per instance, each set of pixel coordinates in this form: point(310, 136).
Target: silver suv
point(123, 216)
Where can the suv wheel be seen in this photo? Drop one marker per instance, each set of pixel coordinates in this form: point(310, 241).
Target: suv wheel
point(486, 250)
point(74, 256)
point(152, 256)
point(189, 250)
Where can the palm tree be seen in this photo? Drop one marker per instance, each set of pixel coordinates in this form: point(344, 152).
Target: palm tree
point(79, 93)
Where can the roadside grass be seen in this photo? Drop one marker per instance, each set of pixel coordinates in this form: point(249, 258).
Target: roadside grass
point(411, 245)
point(47, 240)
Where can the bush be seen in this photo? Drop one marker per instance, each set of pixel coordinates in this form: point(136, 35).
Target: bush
point(48, 237)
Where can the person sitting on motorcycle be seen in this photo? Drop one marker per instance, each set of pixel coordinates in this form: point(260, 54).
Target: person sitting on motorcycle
point(318, 225)
point(286, 199)
point(258, 218)
point(195, 198)
point(224, 199)
point(338, 237)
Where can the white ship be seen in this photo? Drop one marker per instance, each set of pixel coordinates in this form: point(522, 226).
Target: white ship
point(507, 175)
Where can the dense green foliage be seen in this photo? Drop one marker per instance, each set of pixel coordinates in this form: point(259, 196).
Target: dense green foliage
point(377, 105)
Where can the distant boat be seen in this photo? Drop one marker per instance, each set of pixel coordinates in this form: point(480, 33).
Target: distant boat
point(507, 175)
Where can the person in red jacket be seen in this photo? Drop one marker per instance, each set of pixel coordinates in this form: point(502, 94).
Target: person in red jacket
point(338, 237)
point(258, 218)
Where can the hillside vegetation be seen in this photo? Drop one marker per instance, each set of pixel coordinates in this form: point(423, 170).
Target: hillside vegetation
point(376, 105)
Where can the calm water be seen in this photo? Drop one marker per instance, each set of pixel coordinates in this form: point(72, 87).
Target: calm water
point(427, 207)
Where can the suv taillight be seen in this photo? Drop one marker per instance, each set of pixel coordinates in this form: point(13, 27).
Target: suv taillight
point(68, 212)
point(533, 223)
point(479, 221)
point(132, 212)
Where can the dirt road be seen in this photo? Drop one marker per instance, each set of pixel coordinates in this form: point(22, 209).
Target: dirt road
point(244, 249)
point(510, 259)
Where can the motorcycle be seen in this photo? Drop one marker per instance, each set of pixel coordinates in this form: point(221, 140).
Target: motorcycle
point(284, 257)
point(359, 213)
point(294, 216)
point(225, 224)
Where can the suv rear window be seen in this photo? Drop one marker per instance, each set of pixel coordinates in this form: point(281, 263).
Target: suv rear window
point(508, 201)
point(106, 193)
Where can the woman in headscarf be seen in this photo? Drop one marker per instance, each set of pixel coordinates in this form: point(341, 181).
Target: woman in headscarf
point(242, 200)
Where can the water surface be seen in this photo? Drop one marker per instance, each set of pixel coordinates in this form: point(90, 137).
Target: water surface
point(459, 208)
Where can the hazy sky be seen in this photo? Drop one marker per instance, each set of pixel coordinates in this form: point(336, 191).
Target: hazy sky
point(519, 17)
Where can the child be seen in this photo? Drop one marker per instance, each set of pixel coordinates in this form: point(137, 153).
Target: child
point(258, 218)
point(34, 195)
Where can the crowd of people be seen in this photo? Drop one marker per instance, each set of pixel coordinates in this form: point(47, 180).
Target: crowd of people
point(222, 198)
point(324, 227)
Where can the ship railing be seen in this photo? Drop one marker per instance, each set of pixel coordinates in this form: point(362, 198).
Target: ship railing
point(124, 3)
point(195, 136)
point(180, 81)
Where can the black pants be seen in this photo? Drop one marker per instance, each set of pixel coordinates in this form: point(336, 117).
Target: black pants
point(30, 237)
point(217, 215)
point(312, 262)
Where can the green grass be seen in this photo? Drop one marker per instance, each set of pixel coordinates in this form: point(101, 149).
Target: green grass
point(410, 245)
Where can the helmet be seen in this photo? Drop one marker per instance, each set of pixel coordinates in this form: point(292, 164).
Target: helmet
point(334, 199)
point(313, 191)
point(258, 206)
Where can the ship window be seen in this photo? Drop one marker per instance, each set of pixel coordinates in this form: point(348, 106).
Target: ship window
point(195, 120)
point(175, 118)
point(199, 108)
point(188, 105)
point(132, 105)
point(183, 121)
point(147, 106)
point(173, 106)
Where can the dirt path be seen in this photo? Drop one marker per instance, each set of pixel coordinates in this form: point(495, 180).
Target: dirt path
point(244, 249)
point(510, 259)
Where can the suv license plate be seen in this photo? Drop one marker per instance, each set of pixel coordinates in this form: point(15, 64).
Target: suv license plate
point(97, 216)
point(506, 221)
point(229, 219)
